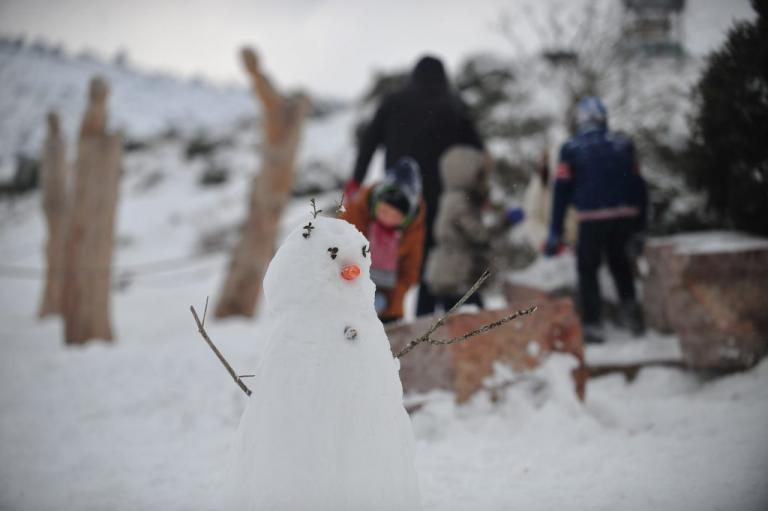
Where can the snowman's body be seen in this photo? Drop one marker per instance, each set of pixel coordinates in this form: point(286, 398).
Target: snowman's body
point(325, 427)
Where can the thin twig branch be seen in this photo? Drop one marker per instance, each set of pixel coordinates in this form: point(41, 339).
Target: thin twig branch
point(201, 329)
point(437, 324)
point(482, 329)
point(507, 31)
point(205, 311)
point(340, 205)
point(315, 211)
point(427, 336)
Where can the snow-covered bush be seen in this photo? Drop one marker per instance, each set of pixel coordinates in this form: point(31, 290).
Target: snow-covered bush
point(729, 155)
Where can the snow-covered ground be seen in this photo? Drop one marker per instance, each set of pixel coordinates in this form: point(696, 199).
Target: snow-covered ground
point(145, 423)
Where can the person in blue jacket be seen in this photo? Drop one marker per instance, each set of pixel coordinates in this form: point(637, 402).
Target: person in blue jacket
point(598, 173)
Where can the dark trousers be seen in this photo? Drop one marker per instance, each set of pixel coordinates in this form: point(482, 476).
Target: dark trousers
point(609, 238)
point(425, 300)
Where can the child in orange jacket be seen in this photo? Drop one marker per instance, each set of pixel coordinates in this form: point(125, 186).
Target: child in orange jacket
point(391, 215)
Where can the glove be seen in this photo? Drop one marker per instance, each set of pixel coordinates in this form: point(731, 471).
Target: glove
point(515, 215)
point(553, 246)
point(350, 190)
point(380, 302)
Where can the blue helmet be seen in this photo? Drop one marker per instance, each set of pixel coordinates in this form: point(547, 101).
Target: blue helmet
point(591, 113)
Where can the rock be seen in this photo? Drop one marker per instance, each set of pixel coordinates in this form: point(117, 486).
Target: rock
point(662, 281)
point(426, 367)
point(711, 289)
point(522, 344)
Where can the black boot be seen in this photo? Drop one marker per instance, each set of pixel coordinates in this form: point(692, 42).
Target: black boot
point(593, 333)
point(631, 318)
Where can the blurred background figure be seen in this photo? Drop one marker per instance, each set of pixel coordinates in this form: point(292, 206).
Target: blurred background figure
point(391, 214)
point(462, 242)
point(465, 227)
point(420, 121)
point(537, 205)
point(598, 172)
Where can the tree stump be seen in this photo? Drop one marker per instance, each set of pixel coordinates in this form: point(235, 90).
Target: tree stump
point(522, 345)
point(711, 289)
point(53, 181)
point(271, 189)
point(90, 230)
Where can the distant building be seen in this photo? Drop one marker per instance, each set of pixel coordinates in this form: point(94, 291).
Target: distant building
point(653, 27)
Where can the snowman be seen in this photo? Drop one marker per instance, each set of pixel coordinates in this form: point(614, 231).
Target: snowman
point(325, 427)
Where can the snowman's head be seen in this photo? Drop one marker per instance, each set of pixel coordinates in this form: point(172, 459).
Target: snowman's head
point(324, 262)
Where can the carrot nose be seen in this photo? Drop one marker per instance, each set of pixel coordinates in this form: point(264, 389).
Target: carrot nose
point(350, 272)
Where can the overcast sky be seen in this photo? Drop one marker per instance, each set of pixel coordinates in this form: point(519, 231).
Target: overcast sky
point(329, 46)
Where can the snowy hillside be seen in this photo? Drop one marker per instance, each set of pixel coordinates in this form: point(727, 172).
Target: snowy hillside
point(36, 80)
point(164, 113)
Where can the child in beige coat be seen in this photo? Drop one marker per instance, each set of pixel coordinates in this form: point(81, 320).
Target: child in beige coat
point(462, 242)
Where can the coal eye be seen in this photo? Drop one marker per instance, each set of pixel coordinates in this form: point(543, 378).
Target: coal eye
point(366, 250)
point(333, 251)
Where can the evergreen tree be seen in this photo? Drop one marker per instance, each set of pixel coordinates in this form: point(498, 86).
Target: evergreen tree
point(729, 145)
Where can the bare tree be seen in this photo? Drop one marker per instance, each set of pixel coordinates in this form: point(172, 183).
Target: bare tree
point(271, 189)
point(90, 226)
point(53, 181)
point(581, 38)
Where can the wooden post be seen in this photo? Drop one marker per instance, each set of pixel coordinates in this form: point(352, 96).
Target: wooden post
point(91, 222)
point(271, 189)
point(54, 182)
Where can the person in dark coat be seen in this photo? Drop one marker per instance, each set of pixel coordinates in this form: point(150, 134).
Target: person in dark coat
point(598, 173)
point(420, 121)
